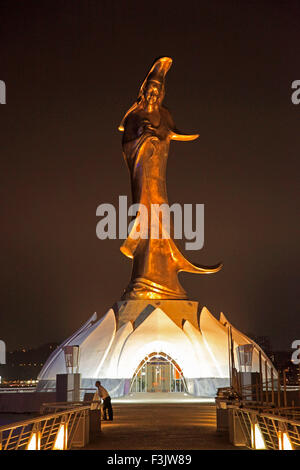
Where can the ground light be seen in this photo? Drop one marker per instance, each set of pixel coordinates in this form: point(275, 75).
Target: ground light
point(61, 438)
point(34, 441)
point(284, 441)
point(257, 440)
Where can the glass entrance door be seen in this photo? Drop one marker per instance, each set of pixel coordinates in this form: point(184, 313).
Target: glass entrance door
point(158, 374)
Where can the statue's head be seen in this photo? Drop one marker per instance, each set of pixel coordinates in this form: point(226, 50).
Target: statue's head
point(154, 92)
point(153, 87)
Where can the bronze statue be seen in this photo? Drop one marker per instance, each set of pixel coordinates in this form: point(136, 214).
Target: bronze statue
point(148, 129)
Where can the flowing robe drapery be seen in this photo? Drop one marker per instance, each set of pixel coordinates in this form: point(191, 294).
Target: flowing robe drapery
point(156, 261)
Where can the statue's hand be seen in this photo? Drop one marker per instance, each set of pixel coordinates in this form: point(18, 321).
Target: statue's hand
point(145, 127)
point(149, 128)
point(154, 140)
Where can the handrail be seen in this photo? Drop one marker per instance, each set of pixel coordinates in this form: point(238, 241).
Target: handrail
point(58, 430)
point(263, 429)
point(67, 405)
point(275, 417)
point(38, 419)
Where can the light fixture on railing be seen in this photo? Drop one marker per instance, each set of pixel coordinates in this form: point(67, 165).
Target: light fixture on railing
point(71, 359)
point(284, 442)
point(61, 440)
point(34, 441)
point(257, 438)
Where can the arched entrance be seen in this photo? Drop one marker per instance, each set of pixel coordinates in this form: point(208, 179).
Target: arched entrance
point(158, 372)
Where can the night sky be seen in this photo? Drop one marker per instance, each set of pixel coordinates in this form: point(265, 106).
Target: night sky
point(72, 69)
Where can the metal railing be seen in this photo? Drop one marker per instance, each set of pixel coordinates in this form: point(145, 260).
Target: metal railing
point(263, 384)
point(55, 407)
point(268, 392)
point(17, 389)
point(278, 432)
point(55, 431)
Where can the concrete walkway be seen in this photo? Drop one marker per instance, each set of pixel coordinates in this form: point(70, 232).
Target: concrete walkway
point(162, 426)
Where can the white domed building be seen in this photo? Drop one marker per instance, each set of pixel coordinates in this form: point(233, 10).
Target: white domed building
point(153, 346)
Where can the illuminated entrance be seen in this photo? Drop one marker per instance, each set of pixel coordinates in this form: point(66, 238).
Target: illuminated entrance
point(158, 372)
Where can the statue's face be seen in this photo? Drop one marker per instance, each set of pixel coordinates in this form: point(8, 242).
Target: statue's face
point(152, 92)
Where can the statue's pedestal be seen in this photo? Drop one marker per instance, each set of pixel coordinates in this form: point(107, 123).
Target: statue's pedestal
point(168, 329)
point(154, 345)
point(136, 311)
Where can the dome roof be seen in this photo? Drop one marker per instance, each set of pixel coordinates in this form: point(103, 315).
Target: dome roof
point(115, 352)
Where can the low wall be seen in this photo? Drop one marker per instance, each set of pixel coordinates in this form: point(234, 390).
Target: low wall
point(206, 387)
point(115, 387)
point(201, 387)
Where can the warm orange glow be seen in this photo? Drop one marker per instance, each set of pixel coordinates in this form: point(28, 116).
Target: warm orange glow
point(257, 440)
point(61, 438)
point(284, 441)
point(34, 442)
point(157, 259)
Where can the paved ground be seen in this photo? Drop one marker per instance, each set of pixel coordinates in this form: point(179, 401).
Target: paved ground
point(161, 426)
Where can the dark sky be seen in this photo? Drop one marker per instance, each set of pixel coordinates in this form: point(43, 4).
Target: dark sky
point(72, 68)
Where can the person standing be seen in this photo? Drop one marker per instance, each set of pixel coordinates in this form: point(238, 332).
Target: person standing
point(104, 395)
